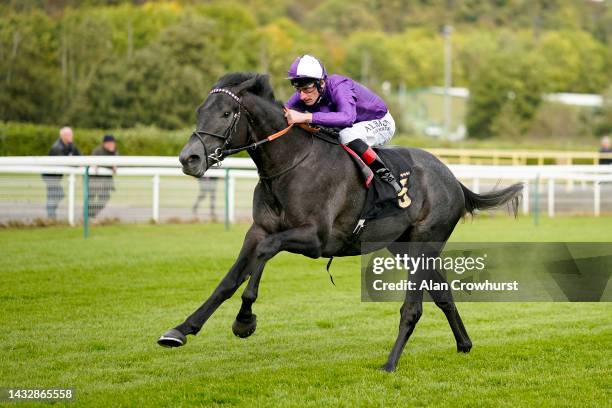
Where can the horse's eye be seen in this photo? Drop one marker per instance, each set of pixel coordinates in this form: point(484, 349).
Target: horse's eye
point(226, 114)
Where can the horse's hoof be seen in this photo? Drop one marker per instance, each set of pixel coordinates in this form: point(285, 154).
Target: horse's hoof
point(388, 368)
point(464, 348)
point(244, 329)
point(172, 338)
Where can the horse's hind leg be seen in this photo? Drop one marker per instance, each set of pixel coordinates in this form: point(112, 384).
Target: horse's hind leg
point(410, 312)
point(444, 300)
point(429, 243)
point(443, 297)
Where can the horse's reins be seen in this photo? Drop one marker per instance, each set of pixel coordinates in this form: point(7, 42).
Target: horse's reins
point(221, 152)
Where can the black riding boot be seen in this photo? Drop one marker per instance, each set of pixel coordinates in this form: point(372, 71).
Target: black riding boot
point(374, 162)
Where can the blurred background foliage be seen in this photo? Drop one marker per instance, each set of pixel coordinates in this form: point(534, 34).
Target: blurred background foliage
point(122, 64)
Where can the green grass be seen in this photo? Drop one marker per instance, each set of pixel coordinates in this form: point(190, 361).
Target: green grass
point(87, 313)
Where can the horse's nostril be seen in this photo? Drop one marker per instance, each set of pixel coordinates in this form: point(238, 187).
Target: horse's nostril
point(193, 159)
point(190, 160)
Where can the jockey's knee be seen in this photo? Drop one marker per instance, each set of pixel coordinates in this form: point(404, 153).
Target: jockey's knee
point(373, 132)
point(347, 135)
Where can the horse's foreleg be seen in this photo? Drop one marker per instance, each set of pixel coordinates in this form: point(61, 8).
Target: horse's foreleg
point(302, 240)
point(246, 263)
point(246, 321)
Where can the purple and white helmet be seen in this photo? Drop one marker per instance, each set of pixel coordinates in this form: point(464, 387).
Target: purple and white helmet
point(306, 67)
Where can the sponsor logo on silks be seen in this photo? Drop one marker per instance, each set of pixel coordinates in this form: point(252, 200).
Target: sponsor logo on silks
point(403, 199)
point(376, 126)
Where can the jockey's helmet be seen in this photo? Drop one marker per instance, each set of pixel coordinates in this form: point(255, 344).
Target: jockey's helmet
point(306, 70)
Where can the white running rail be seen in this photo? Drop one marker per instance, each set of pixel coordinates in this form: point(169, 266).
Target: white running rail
point(541, 182)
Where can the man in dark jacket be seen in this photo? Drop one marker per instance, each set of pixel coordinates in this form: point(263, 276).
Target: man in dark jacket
point(63, 146)
point(207, 188)
point(100, 186)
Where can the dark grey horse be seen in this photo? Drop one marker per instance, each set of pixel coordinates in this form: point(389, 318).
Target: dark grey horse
point(308, 200)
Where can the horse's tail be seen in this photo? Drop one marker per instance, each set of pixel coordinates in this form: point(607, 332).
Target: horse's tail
point(493, 199)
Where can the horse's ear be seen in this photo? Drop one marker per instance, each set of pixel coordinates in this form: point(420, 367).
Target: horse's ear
point(248, 85)
point(265, 88)
point(258, 85)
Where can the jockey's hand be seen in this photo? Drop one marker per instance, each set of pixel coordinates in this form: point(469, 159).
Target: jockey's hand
point(294, 116)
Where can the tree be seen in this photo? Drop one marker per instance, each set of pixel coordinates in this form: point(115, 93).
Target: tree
point(233, 25)
point(343, 17)
point(419, 54)
point(370, 59)
point(603, 119)
point(279, 43)
point(29, 79)
point(506, 83)
point(162, 84)
point(85, 45)
point(575, 62)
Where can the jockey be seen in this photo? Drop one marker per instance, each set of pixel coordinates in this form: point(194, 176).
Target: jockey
point(340, 102)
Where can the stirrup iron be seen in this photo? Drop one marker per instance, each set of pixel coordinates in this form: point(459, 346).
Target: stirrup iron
point(386, 175)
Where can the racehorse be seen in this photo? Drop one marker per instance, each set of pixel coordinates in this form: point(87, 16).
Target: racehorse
point(308, 199)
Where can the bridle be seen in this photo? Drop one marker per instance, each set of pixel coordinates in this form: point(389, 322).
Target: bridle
point(221, 152)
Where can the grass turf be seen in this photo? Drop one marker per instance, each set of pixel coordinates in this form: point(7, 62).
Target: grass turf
point(87, 313)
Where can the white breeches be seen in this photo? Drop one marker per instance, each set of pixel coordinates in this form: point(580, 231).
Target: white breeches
point(374, 132)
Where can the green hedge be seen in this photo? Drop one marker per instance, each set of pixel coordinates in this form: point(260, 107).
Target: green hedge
point(24, 139)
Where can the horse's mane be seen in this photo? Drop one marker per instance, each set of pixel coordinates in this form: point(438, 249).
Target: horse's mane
point(261, 88)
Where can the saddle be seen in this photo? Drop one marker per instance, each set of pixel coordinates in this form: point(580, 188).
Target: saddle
point(381, 199)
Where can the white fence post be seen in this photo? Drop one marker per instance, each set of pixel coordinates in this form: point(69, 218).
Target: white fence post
point(71, 198)
point(476, 185)
point(597, 197)
point(551, 197)
point(156, 198)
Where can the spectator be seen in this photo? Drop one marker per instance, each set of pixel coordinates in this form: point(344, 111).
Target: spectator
point(605, 148)
point(100, 186)
point(63, 146)
point(208, 187)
